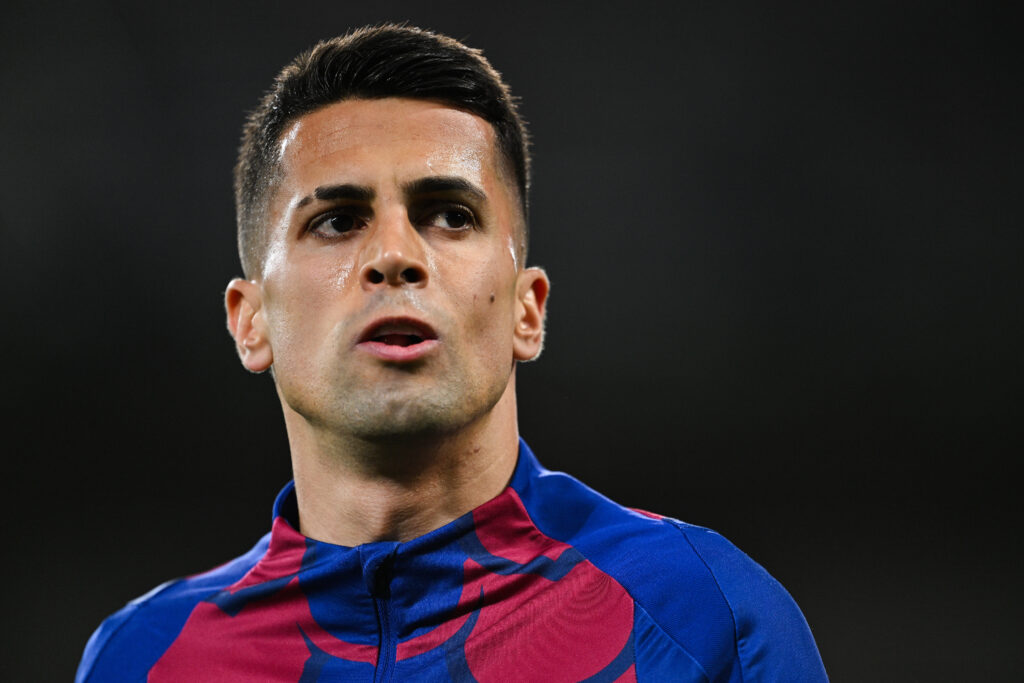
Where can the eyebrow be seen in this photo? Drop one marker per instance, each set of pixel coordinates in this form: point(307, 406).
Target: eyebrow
point(421, 186)
point(438, 184)
point(357, 193)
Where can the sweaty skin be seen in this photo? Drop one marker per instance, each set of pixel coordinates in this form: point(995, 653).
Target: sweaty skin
point(392, 311)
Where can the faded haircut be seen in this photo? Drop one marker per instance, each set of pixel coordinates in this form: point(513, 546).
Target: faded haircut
point(370, 63)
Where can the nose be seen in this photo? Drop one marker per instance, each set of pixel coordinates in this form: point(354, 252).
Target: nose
point(394, 256)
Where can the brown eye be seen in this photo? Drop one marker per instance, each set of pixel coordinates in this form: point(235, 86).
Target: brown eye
point(334, 224)
point(451, 219)
point(456, 219)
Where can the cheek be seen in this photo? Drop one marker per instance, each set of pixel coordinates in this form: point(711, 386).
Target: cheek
point(490, 307)
point(337, 274)
point(299, 299)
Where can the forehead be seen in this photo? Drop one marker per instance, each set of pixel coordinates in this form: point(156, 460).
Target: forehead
point(372, 141)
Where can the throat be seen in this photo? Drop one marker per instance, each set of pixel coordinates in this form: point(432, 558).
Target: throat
point(360, 504)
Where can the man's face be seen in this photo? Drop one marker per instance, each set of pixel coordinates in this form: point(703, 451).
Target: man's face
point(391, 301)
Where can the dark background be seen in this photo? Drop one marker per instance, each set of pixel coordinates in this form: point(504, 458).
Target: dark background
point(785, 244)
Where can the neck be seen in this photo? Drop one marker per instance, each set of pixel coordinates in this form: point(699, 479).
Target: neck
point(351, 492)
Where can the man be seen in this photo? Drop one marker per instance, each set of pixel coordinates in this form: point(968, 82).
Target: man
point(381, 192)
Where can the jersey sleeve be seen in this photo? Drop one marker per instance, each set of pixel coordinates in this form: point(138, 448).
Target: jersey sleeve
point(773, 641)
point(124, 646)
point(130, 641)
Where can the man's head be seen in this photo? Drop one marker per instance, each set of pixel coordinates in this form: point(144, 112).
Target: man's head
point(387, 289)
point(371, 63)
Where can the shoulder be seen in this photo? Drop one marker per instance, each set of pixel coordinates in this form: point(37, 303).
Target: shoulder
point(693, 586)
point(130, 641)
point(773, 640)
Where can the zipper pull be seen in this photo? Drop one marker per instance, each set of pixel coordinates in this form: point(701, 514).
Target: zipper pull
point(377, 561)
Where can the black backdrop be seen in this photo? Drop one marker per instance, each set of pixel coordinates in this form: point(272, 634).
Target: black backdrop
point(785, 245)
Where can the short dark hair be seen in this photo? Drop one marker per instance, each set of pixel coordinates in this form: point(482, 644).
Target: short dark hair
point(375, 62)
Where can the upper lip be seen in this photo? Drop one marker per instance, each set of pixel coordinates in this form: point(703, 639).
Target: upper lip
point(397, 325)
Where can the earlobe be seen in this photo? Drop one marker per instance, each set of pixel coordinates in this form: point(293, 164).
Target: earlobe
point(531, 297)
point(243, 302)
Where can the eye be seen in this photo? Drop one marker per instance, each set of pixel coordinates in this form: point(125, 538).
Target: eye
point(450, 218)
point(335, 224)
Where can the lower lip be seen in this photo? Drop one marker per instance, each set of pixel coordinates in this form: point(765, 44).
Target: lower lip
point(399, 354)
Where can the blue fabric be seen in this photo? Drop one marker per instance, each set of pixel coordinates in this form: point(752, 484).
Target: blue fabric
point(128, 643)
point(701, 609)
point(734, 620)
point(773, 640)
point(658, 657)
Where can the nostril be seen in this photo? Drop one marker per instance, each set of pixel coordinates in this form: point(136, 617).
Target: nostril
point(375, 276)
point(411, 275)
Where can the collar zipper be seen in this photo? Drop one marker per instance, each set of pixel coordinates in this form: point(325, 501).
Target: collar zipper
point(388, 650)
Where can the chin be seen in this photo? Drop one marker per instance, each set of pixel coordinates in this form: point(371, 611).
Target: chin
point(401, 418)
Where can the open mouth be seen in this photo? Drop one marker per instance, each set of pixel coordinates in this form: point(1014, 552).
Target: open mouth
point(398, 339)
point(401, 332)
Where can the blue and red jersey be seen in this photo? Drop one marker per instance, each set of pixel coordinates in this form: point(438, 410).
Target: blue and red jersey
point(549, 581)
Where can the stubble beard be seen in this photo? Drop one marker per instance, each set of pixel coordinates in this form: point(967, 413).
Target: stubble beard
point(396, 412)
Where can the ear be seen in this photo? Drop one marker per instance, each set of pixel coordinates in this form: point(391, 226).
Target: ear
point(243, 301)
point(532, 288)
